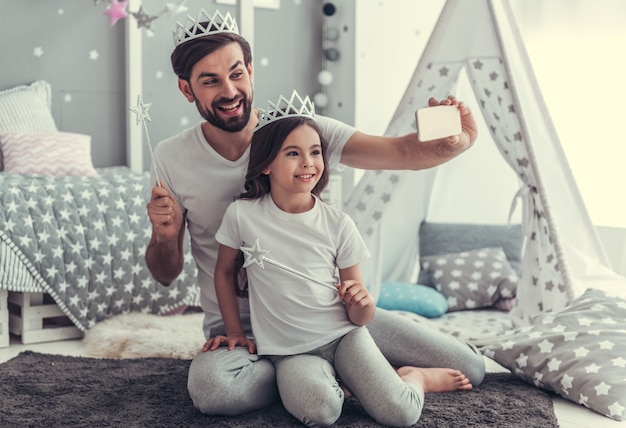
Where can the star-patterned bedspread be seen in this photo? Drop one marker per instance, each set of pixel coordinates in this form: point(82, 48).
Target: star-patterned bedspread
point(82, 240)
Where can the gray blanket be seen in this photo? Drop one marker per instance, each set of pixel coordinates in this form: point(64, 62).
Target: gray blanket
point(82, 240)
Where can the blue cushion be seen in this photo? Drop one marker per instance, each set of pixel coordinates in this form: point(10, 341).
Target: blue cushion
point(420, 299)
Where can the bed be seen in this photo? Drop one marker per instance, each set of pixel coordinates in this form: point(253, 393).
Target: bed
point(72, 231)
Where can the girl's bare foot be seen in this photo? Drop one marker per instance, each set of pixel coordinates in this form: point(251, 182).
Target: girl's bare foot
point(435, 379)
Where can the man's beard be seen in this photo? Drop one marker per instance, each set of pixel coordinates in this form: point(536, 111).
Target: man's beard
point(232, 124)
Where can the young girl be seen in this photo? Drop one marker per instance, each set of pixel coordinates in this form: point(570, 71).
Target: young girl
point(308, 302)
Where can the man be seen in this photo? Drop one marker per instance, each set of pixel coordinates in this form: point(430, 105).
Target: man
point(202, 169)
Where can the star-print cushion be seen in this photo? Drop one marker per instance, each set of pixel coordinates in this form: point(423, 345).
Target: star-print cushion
point(471, 279)
point(416, 298)
point(578, 353)
point(447, 238)
point(26, 108)
point(47, 153)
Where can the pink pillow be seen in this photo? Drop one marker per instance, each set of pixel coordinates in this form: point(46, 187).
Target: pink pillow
point(47, 153)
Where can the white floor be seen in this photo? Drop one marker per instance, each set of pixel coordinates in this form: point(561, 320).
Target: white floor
point(570, 415)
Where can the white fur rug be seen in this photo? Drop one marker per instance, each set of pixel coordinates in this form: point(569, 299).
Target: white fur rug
point(138, 335)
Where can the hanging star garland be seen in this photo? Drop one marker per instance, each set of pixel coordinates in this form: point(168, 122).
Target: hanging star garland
point(172, 9)
point(255, 254)
point(143, 19)
point(116, 11)
point(141, 110)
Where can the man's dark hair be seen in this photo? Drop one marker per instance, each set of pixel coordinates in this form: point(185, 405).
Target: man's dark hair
point(187, 54)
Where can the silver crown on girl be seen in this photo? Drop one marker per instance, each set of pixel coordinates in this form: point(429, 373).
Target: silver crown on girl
point(286, 107)
point(204, 25)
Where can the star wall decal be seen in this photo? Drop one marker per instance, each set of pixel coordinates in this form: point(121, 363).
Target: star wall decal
point(116, 11)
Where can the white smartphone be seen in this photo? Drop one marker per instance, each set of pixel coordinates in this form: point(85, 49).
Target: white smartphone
point(437, 122)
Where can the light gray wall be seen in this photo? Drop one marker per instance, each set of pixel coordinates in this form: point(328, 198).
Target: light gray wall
point(89, 95)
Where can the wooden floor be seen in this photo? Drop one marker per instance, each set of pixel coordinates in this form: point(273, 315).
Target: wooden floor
point(570, 415)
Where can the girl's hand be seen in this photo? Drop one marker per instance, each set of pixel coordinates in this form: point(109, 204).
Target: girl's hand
point(354, 293)
point(360, 304)
point(237, 339)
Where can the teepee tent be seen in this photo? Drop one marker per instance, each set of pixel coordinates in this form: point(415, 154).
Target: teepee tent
point(476, 45)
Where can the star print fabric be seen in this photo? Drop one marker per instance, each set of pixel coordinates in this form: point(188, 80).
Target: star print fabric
point(578, 352)
point(83, 240)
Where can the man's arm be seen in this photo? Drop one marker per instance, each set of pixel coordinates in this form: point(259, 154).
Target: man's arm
point(407, 152)
point(165, 253)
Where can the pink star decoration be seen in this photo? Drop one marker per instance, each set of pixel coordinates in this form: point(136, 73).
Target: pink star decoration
point(116, 11)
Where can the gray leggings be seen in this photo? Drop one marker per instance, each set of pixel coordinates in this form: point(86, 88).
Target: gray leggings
point(309, 390)
point(233, 382)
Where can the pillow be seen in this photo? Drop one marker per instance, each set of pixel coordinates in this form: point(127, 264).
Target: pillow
point(578, 353)
point(416, 298)
point(471, 279)
point(47, 153)
point(448, 238)
point(26, 108)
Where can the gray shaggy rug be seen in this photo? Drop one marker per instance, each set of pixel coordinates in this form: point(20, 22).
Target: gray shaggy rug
point(40, 390)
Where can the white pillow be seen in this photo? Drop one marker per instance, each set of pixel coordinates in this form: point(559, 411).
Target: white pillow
point(26, 108)
point(47, 153)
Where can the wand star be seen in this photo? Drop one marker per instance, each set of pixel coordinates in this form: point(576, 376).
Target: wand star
point(254, 254)
point(141, 110)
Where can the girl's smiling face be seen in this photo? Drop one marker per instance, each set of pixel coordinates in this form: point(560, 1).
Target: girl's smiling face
point(299, 164)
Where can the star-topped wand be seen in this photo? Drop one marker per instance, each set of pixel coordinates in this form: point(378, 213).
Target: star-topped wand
point(255, 254)
point(141, 110)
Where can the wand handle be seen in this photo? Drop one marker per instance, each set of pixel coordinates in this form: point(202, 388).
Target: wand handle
point(156, 171)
